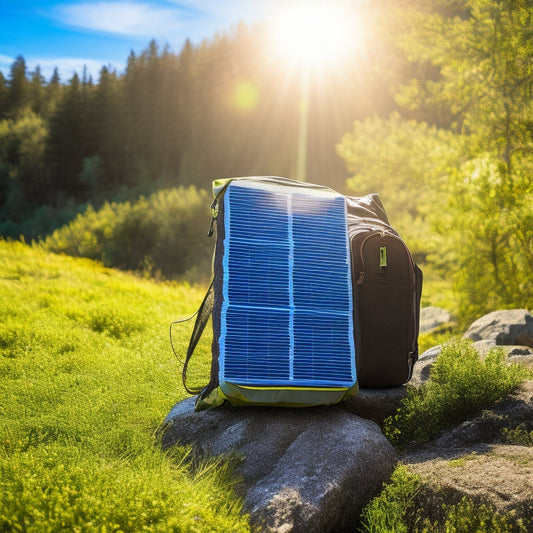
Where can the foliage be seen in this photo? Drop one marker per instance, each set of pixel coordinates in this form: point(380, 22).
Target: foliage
point(389, 511)
point(397, 509)
point(164, 232)
point(461, 385)
point(468, 187)
point(469, 516)
point(491, 223)
point(22, 146)
point(519, 435)
point(405, 162)
point(86, 378)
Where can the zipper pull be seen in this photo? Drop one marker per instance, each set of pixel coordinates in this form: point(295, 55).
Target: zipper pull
point(361, 278)
point(214, 211)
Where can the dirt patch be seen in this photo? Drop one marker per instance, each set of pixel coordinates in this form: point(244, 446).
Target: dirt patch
point(501, 475)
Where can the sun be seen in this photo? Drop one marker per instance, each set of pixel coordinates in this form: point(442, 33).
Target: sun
point(318, 33)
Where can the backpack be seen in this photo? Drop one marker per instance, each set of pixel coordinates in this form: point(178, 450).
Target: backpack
point(314, 295)
point(281, 298)
point(387, 291)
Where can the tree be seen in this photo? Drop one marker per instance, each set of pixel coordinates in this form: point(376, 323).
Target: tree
point(66, 144)
point(106, 132)
point(22, 146)
point(3, 96)
point(36, 90)
point(18, 94)
point(486, 77)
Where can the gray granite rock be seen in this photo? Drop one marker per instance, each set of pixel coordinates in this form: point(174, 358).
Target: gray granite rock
point(506, 327)
point(303, 470)
point(433, 317)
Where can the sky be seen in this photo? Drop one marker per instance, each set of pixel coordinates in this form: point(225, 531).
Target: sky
point(69, 34)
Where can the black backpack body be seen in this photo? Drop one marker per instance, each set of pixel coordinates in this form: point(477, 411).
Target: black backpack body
point(387, 288)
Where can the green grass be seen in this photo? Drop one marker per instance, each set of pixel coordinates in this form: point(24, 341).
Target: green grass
point(86, 377)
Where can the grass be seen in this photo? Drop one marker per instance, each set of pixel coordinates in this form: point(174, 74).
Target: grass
point(86, 377)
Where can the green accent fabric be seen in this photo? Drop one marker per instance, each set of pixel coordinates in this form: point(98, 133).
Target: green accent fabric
point(214, 399)
point(280, 397)
point(382, 256)
point(220, 184)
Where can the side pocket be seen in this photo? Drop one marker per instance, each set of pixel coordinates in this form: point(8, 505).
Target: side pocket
point(385, 324)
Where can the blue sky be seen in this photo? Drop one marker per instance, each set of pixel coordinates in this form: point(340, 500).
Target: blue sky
point(72, 33)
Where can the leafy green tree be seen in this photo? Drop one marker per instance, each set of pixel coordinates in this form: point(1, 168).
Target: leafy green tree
point(22, 145)
point(487, 80)
point(472, 183)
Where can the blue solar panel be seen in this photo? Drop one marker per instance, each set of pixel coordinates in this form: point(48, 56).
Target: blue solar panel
point(286, 317)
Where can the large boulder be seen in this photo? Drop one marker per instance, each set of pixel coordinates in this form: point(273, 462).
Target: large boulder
point(303, 470)
point(432, 317)
point(507, 327)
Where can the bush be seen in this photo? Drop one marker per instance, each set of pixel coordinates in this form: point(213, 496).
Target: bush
point(461, 385)
point(163, 233)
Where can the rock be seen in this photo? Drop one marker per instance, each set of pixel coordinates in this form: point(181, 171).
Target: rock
point(433, 317)
point(303, 470)
point(423, 366)
point(376, 404)
point(508, 327)
point(482, 459)
point(499, 475)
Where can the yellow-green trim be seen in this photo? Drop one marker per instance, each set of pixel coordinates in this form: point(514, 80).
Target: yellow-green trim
point(251, 387)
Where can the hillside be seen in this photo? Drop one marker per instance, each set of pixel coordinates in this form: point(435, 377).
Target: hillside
point(87, 375)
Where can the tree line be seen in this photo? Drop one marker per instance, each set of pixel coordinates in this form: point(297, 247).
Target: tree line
point(229, 106)
point(435, 114)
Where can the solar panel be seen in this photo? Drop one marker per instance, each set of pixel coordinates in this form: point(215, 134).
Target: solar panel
point(286, 317)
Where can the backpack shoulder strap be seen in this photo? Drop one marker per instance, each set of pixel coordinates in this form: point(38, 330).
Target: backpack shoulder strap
point(202, 318)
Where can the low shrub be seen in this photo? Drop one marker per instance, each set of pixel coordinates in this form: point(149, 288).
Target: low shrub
point(163, 234)
point(391, 509)
point(461, 384)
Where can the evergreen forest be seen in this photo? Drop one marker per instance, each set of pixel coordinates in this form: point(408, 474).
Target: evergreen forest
point(433, 111)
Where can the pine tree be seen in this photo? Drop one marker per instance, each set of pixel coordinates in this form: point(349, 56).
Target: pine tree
point(18, 95)
point(65, 149)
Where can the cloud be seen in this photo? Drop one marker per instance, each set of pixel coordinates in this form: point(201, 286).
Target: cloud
point(123, 18)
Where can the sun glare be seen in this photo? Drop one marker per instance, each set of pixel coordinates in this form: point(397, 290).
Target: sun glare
point(317, 33)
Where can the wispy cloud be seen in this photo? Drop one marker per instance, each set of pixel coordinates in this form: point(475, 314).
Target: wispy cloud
point(124, 18)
